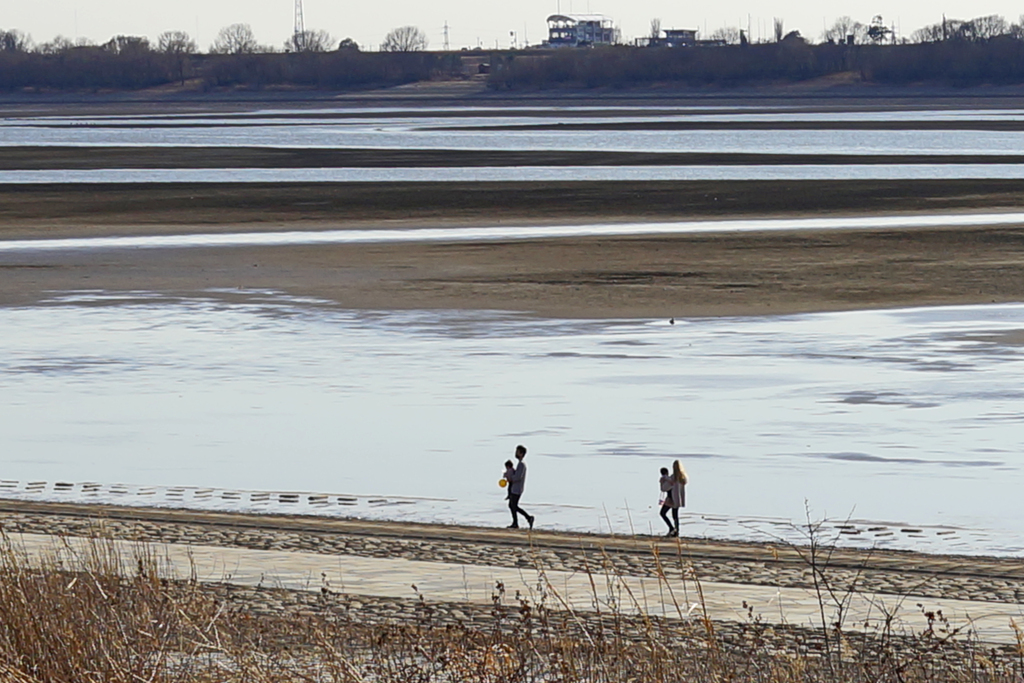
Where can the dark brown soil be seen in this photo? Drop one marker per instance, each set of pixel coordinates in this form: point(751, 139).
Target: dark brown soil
point(47, 158)
point(67, 210)
point(680, 275)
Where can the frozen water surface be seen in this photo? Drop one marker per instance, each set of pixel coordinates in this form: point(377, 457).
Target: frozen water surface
point(907, 422)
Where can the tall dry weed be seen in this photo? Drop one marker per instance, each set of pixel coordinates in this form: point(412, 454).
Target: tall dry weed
point(95, 612)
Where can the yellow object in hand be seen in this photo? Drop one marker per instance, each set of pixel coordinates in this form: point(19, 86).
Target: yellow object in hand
point(502, 483)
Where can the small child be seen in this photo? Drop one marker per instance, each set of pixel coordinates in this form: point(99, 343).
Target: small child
point(509, 473)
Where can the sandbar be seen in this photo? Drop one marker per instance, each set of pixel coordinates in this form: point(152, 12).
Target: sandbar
point(588, 277)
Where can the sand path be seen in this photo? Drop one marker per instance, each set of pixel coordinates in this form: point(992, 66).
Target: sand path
point(292, 561)
point(445, 582)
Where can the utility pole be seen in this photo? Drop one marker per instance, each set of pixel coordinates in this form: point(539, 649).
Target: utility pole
point(447, 46)
point(299, 36)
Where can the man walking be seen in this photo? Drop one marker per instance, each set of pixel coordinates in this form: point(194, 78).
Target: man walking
point(517, 484)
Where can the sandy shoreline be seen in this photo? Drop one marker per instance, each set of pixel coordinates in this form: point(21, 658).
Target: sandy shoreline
point(352, 576)
point(293, 569)
point(765, 562)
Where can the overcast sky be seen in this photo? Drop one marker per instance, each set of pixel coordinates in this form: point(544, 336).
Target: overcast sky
point(471, 22)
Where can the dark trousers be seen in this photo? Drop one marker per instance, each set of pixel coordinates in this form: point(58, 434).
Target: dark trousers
point(513, 505)
point(675, 513)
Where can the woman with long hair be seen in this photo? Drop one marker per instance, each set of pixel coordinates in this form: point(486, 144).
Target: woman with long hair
point(673, 486)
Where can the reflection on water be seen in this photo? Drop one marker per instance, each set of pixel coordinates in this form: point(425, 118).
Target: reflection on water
point(891, 417)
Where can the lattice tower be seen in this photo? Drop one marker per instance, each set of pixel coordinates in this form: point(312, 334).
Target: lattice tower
point(300, 27)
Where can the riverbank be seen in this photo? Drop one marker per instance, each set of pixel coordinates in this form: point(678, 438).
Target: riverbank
point(290, 574)
point(985, 579)
point(809, 95)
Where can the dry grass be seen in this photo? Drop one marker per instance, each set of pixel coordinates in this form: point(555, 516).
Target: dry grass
point(96, 615)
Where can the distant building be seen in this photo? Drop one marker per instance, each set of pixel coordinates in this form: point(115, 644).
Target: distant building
point(680, 37)
point(674, 37)
point(580, 30)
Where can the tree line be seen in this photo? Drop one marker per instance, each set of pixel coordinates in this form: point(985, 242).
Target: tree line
point(236, 58)
point(984, 50)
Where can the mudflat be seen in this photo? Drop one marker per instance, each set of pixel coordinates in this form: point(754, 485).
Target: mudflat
point(78, 209)
point(644, 276)
point(30, 158)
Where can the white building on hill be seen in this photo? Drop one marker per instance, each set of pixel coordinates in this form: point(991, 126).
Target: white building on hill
point(580, 30)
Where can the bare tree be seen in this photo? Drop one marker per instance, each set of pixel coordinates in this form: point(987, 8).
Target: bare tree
point(235, 39)
point(14, 41)
point(655, 30)
point(842, 30)
point(1017, 30)
point(726, 34)
point(977, 29)
point(959, 30)
point(404, 39)
point(779, 30)
point(929, 34)
point(175, 43)
point(989, 26)
point(310, 41)
point(177, 46)
point(127, 45)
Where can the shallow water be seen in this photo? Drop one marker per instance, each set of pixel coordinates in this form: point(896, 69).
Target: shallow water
point(506, 232)
point(528, 114)
point(908, 421)
point(522, 174)
point(388, 129)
